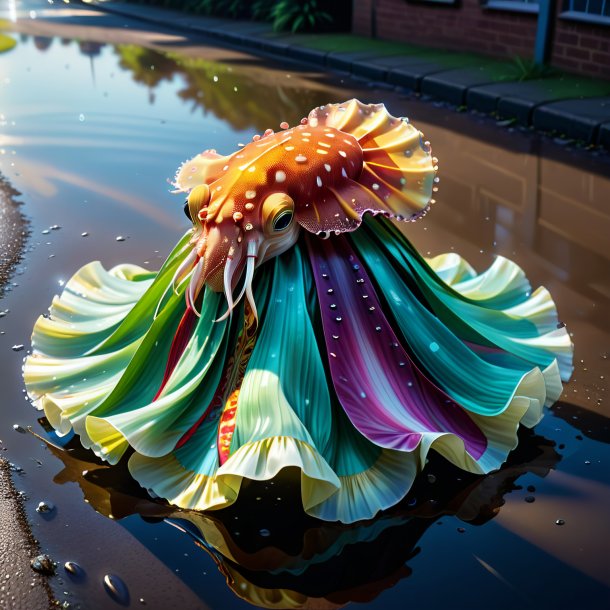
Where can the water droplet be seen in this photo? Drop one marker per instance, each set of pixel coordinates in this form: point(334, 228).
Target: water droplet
point(434, 346)
point(18, 347)
point(338, 318)
point(73, 568)
point(20, 429)
point(84, 234)
point(431, 478)
point(560, 522)
point(280, 176)
point(116, 588)
point(378, 329)
point(461, 530)
point(301, 159)
point(45, 507)
point(119, 238)
point(330, 291)
point(333, 306)
point(530, 499)
point(81, 117)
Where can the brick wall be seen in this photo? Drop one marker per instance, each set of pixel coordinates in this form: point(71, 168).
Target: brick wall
point(579, 47)
point(467, 27)
point(582, 47)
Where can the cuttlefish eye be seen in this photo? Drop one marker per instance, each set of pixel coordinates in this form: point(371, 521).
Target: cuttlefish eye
point(187, 210)
point(278, 212)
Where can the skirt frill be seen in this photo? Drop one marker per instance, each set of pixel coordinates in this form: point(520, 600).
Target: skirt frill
point(366, 356)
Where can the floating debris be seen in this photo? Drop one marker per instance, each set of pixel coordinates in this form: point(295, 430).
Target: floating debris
point(116, 588)
point(530, 499)
point(84, 234)
point(560, 522)
point(18, 428)
point(119, 238)
point(43, 564)
point(461, 530)
point(44, 506)
point(18, 347)
point(55, 227)
point(264, 532)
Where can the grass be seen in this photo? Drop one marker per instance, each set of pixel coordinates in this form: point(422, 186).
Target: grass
point(6, 43)
point(558, 83)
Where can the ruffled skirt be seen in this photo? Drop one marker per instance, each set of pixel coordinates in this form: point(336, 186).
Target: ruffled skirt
point(365, 357)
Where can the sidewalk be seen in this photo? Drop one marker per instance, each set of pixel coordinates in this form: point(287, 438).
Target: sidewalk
point(564, 105)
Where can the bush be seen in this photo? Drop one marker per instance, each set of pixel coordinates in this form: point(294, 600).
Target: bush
point(297, 16)
point(286, 15)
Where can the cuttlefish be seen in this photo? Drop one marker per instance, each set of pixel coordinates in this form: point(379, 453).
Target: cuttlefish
point(365, 357)
point(322, 176)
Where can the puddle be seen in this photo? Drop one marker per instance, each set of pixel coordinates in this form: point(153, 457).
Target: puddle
point(89, 134)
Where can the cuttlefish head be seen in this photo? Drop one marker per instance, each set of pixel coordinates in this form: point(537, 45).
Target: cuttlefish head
point(237, 233)
point(321, 176)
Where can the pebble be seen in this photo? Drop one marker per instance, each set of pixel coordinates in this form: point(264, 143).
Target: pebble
point(43, 564)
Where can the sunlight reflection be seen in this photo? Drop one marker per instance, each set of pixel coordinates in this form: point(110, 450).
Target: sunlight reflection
point(12, 10)
point(40, 177)
point(582, 504)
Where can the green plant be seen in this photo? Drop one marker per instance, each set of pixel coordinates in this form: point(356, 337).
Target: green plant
point(222, 8)
point(528, 69)
point(295, 16)
point(263, 9)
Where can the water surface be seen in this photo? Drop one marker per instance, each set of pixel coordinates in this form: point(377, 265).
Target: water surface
point(92, 124)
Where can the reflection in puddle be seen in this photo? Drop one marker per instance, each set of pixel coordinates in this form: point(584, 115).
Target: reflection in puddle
point(272, 554)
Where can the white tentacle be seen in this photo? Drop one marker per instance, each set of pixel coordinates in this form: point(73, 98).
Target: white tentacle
point(195, 286)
